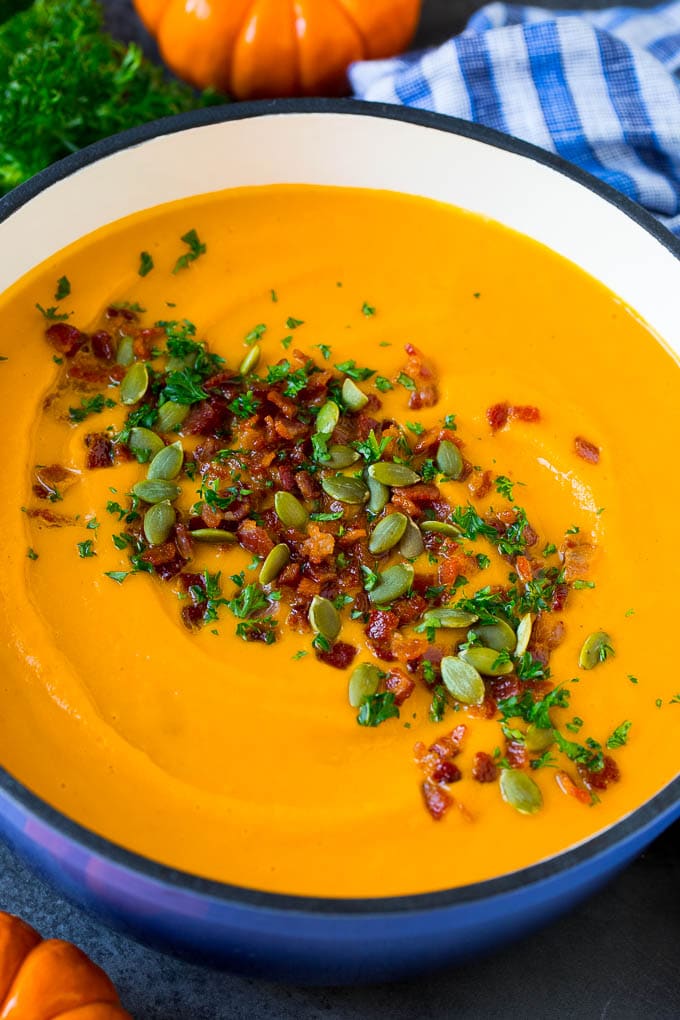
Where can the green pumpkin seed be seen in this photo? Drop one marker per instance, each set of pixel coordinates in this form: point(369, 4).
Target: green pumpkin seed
point(353, 396)
point(214, 536)
point(379, 495)
point(158, 522)
point(498, 635)
point(485, 661)
point(462, 681)
point(142, 440)
point(290, 511)
point(156, 490)
point(448, 616)
point(412, 545)
point(274, 563)
point(538, 740)
point(394, 475)
point(524, 634)
point(345, 488)
point(441, 528)
point(167, 463)
point(171, 416)
point(449, 459)
point(126, 351)
point(178, 364)
point(341, 457)
point(520, 791)
point(596, 648)
point(363, 683)
point(251, 361)
point(387, 533)
point(327, 418)
point(392, 583)
point(324, 618)
point(135, 383)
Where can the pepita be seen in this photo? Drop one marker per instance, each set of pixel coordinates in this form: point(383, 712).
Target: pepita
point(412, 545)
point(171, 416)
point(387, 533)
point(274, 563)
point(135, 383)
point(345, 488)
point(327, 418)
point(156, 490)
point(214, 536)
point(394, 475)
point(520, 791)
point(524, 634)
point(462, 680)
point(251, 360)
point(596, 648)
point(145, 441)
point(126, 351)
point(538, 739)
point(449, 459)
point(363, 683)
point(167, 463)
point(445, 528)
point(324, 618)
point(353, 396)
point(379, 495)
point(158, 522)
point(448, 616)
point(487, 661)
point(392, 584)
point(341, 457)
point(498, 635)
point(290, 511)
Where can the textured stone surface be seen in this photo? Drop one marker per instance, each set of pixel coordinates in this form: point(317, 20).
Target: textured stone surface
point(615, 958)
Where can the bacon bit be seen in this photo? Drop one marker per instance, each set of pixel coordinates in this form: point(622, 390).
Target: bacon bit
point(192, 616)
point(287, 407)
point(290, 575)
point(99, 450)
point(587, 450)
point(206, 417)
point(601, 780)
point(407, 649)
point(49, 517)
point(569, 787)
point(402, 502)
point(446, 772)
point(481, 486)
point(487, 709)
point(67, 339)
point(560, 595)
point(497, 416)
point(114, 312)
point(577, 559)
point(309, 489)
point(400, 685)
point(143, 343)
point(159, 555)
point(459, 564)
point(103, 345)
point(437, 800)
point(341, 655)
point(319, 544)
point(525, 412)
point(254, 539)
point(290, 430)
point(86, 369)
point(351, 537)
point(484, 769)
point(166, 571)
point(184, 541)
point(409, 610)
point(505, 686)
point(381, 626)
point(220, 380)
point(524, 569)
point(212, 518)
point(418, 368)
point(516, 754)
point(53, 479)
point(308, 588)
point(421, 493)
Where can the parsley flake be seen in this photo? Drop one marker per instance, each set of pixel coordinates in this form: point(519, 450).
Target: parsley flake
point(196, 249)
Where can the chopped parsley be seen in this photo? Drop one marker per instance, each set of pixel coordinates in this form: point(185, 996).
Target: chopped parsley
point(620, 736)
point(325, 350)
point(85, 549)
point(351, 369)
point(63, 288)
point(88, 406)
point(377, 709)
point(383, 384)
point(367, 309)
point(196, 249)
point(52, 314)
point(31, 553)
point(292, 323)
point(406, 381)
point(145, 263)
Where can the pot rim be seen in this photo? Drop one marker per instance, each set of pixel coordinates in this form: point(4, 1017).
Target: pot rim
point(661, 804)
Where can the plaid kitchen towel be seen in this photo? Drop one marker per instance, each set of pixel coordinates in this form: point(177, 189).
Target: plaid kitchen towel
point(600, 88)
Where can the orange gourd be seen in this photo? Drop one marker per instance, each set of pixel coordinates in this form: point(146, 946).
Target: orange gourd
point(50, 979)
point(263, 48)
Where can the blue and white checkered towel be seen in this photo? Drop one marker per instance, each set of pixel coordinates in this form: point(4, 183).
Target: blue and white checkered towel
point(597, 87)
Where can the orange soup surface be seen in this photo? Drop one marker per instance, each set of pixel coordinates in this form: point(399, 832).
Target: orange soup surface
point(336, 543)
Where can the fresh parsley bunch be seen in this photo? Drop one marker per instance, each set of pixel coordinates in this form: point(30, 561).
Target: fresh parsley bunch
point(65, 83)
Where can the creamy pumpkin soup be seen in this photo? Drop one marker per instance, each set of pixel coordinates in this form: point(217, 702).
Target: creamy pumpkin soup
point(336, 543)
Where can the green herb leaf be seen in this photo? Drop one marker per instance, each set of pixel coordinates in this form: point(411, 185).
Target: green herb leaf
point(85, 549)
point(52, 314)
point(620, 736)
point(377, 709)
point(63, 288)
point(145, 263)
point(196, 249)
point(351, 369)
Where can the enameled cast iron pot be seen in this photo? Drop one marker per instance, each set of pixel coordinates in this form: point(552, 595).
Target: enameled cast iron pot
point(336, 143)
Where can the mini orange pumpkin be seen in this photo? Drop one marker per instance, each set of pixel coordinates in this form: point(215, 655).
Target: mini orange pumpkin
point(265, 48)
point(50, 980)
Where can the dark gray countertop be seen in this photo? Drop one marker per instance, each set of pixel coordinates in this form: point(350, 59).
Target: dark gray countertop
point(615, 958)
